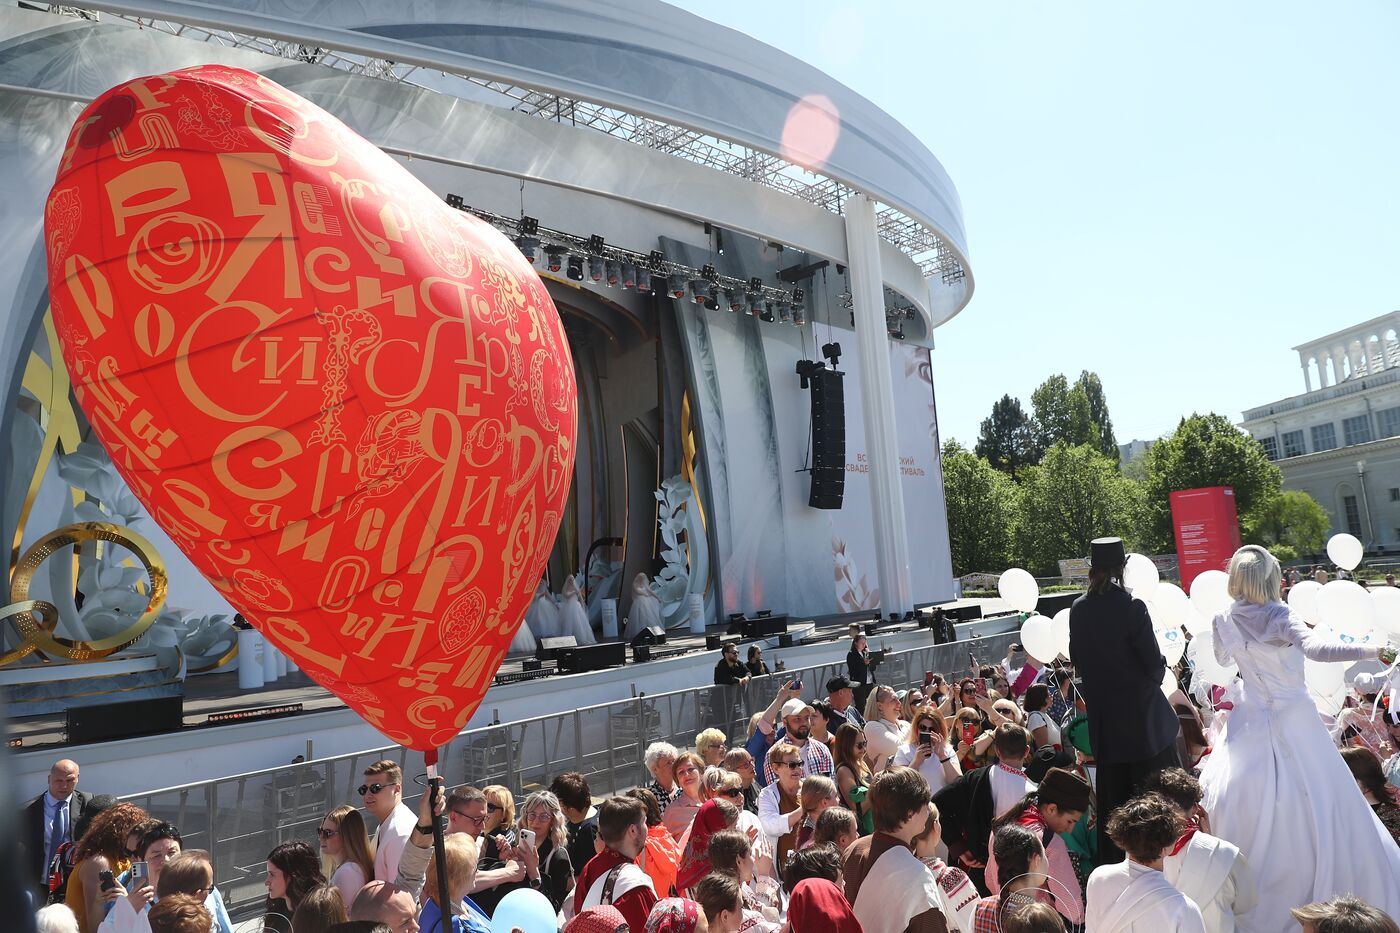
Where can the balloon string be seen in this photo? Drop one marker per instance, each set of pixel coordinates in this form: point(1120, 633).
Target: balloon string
point(1388, 686)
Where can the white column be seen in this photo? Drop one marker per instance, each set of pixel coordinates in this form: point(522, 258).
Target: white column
point(877, 402)
point(1307, 377)
point(1339, 364)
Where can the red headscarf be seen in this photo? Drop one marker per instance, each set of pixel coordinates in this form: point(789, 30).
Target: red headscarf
point(674, 915)
point(818, 906)
point(695, 857)
point(604, 919)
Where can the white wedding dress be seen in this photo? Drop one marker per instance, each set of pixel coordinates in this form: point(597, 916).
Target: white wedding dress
point(573, 618)
point(543, 615)
point(1276, 785)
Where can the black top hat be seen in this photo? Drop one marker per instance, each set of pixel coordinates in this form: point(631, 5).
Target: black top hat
point(1107, 554)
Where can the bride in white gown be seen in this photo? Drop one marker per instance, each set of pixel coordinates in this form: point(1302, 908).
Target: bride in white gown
point(543, 615)
point(573, 618)
point(1276, 785)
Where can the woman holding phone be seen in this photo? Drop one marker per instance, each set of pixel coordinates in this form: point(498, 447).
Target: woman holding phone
point(927, 750)
point(543, 847)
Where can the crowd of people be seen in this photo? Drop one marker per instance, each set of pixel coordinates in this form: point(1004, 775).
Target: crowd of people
point(1019, 797)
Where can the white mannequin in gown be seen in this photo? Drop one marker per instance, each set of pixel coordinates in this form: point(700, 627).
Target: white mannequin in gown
point(1276, 786)
point(646, 608)
point(573, 618)
point(524, 640)
point(543, 614)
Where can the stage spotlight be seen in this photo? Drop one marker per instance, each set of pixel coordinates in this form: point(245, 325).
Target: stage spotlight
point(710, 303)
point(595, 245)
point(782, 311)
point(767, 314)
point(798, 317)
point(656, 261)
point(575, 268)
point(528, 246)
point(898, 332)
point(629, 275)
point(832, 351)
point(798, 296)
point(677, 286)
point(595, 268)
point(699, 290)
point(755, 305)
point(529, 226)
point(708, 273)
point(643, 280)
point(556, 258)
point(735, 298)
point(719, 241)
point(613, 272)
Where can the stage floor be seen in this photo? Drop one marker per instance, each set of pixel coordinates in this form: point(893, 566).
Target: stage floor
point(209, 694)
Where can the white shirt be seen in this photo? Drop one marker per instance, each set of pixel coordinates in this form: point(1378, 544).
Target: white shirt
point(932, 767)
point(348, 879)
point(1008, 788)
point(1130, 898)
point(389, 841)
point(883, 738)
point(1215, 875)
point(1052, 732)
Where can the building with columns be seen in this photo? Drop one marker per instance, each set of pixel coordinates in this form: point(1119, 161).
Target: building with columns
point(1339, 441)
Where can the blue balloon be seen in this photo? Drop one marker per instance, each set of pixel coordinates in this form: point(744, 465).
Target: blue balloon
point(524, 909)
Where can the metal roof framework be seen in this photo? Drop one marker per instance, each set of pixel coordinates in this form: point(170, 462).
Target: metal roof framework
point(924, 246)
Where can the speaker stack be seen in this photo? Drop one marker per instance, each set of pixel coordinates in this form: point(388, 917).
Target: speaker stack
point(828, 439)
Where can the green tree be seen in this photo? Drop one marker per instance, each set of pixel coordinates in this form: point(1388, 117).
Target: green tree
point(1061, 416)
point(1075, 495)
point(981, 504)
point(1291, 519)
point(1092, 387)
point(1204, 450)
point(1005, 441)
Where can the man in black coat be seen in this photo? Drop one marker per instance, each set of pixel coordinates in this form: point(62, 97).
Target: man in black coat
point(47, 821)
point(1132, 728)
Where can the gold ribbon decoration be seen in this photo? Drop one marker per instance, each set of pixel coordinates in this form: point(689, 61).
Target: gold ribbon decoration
point(38, 634)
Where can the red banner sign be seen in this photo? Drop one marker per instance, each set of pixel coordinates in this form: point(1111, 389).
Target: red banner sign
point(1207, 530)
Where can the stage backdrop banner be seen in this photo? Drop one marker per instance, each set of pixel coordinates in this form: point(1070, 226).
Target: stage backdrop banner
point(1207, 530)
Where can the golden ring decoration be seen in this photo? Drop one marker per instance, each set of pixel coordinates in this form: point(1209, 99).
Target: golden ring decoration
point(38, 633)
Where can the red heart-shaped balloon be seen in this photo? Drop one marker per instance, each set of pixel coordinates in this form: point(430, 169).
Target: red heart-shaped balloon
point(350, 405)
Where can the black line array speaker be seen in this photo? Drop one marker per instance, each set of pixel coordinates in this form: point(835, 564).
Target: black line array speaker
point(587, 658)
point(828, 439)
point(124, 720)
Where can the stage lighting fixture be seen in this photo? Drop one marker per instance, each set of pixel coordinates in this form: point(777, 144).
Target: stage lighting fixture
point(909, 313)
point(595, 245)
point(735, 298)
point(832, 351)
point(455, 200)
point(656, 262)
point(708, 273)
point(643, 280)
point(529, 226)
point(676, 284)
point(575, 271)
point(806, 369)
point(556, 258)
point(711, 303)
point(798, 317)
point(798, 296)
point(767, 314)
point(755, 304)
point(613, 272)
point(629, 275)
point(528, 246)
point(719, 242)
point(782, 311)
point(898, 332)
point(595, 268)
point(699, 290)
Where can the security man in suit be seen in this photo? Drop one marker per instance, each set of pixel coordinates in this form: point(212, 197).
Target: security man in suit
point(1132, 727)
point(47, 821)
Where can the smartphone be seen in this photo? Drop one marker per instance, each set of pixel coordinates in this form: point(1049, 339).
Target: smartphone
point(981, 686)
point(140, 874)
point(527, 835)
point(107, 879)
point(926, 739)
point(795, 685)
point(928, 678)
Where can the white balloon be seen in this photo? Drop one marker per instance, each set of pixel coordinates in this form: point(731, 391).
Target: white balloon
point(1169, 605)
point(1196, 623)
point(1059, 627)
point(1019, 588)
point(1140, 576)
point(1038, 639)
point(1326, 684)
point(1345, 551)
point(1302, 599)
point(1172, 642)
point(1169, 684)
point(1202, 654)
point(1347, 607)
point(1387, 600)
point(1210, 593)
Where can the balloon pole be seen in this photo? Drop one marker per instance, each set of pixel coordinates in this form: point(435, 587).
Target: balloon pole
point(439, 848)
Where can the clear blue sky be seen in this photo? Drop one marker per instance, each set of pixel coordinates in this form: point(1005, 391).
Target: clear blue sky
point(1172, 195)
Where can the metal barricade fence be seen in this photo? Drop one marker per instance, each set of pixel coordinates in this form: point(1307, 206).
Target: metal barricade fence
point(240, 819)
